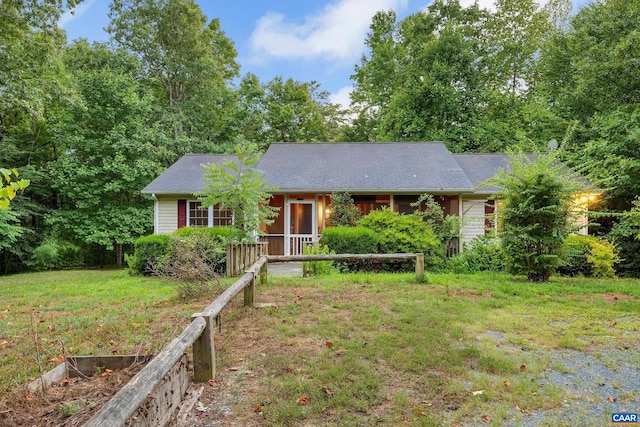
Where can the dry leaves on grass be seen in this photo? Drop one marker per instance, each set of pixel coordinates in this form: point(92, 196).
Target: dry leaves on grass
point(486, 419)
point(302, 400)
point(507, 384)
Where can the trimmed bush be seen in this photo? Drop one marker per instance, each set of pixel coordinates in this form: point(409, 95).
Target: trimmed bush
point(588, 256)
point(225, 233)
point(399, 233)
point(350, 240)
point(149, 253)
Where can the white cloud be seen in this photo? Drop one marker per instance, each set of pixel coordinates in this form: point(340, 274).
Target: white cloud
point(336, 33)
point(68, 16)
point(341, 97)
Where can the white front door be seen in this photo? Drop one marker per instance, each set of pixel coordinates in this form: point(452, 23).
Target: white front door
point(300, 220)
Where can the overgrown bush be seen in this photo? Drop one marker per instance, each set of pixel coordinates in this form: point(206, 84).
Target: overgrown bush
point(225, 233)
point(207, 244)
point(399, 233)
point(149, 253)
point(350, 240)
point(316, 268)
point(53, 255)
point(193, 264)
point(483, 254)
point(588, 256)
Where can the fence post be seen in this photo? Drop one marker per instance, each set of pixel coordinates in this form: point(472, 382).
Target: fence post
point(263, 273)
point(204, 352)
point(250, 290)
point(419, 266)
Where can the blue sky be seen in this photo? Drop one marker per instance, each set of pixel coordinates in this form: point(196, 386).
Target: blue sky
point(307, 40)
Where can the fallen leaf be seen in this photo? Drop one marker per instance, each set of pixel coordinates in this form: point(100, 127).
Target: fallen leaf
point(507, 384)
point(201, 407)
point(455, 425)
point(50, 327)
point(328, 391)
point(28, 397)
point(106, 372)
point(58, 359)
point(329, 344)
point(114, 351)
point(611, 399)
point(419, 411)
point(475, 393)
point(234, 369)
point(257, 409)
point(523, 367)
point(215, 383)
point(288, 369)
point(534, 393)
point(486, 419)
point(302, 400)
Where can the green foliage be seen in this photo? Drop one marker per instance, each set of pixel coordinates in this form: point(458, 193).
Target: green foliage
point(483, 254)
point(54, 254)
point(209, 246)
point(445, 227)
point(343, 211)
point(149, 253)
point(398, 233)
point(350, 240)
point(317, 268)
point(223, 233)
point(588, 256)
point(536, 212)
point(8, 187)
point(240, 188)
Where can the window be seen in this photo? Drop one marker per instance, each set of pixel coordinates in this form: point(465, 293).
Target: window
point(198, 216)
point(221, 217)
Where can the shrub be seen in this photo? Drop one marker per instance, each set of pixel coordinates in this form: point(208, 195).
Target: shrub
point(224, 233)
point(316, 268)
point(210, 246)
point(343, 211)
point(588, 256)
point(399, 233)
point(149, 253)
point(52, 254)
point(350, 240)
point(483, 254)
point(537, 198)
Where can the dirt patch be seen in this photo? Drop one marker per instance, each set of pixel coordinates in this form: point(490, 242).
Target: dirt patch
point(615, 297)
point(69, 403)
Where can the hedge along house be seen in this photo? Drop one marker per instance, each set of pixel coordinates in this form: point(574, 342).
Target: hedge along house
point(375, 174)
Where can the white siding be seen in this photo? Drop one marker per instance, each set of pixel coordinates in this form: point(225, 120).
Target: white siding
point(472, 220)
point(167, 215)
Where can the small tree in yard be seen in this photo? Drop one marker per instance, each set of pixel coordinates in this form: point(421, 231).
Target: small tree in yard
point(343, 211)
point(536, 213)
point(239, 187)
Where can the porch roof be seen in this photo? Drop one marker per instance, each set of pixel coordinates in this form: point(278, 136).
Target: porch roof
point(363, 167)
point(185, 176)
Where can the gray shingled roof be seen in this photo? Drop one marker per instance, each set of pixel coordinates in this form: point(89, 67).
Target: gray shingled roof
point(481, 167)
point(363, 167)
point(185, 176)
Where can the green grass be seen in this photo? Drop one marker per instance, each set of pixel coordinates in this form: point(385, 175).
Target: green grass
point(83, 312)
point(399, 352)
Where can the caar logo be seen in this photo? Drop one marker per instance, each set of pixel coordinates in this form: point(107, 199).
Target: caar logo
point(624, 419)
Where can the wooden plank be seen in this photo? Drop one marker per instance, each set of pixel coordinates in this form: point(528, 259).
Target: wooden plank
point(221, 302)
point(164, 400)
point(204, 353)
point(55, 375)
point(125, 403)
point(339, 257)
point(187, 405)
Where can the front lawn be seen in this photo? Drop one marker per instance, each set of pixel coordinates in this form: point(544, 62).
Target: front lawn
point(358, 349)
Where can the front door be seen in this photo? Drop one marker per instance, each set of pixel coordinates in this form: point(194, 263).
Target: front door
point(300, 219)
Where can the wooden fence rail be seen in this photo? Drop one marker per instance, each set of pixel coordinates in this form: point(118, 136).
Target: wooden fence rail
point(353, 257)
point(200, 335)
point(241, 256)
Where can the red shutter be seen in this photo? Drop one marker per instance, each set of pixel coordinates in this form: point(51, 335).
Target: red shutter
point(182, 213)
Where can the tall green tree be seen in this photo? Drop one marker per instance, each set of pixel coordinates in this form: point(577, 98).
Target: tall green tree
point(188, 60)
point(109, 158)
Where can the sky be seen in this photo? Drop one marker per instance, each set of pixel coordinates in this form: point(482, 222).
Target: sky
point(306, 40)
